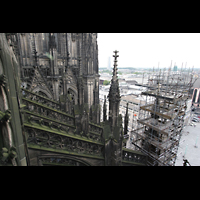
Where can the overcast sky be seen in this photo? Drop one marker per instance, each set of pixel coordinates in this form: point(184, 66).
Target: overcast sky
point(147, 49)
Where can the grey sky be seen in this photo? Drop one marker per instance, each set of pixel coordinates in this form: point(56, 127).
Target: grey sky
point(147, 49)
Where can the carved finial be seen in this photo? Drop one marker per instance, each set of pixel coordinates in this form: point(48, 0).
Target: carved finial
point(115, 53)
point(115, 65)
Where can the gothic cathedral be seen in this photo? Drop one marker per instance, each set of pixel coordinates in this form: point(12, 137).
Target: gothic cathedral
point(49, 103)
point(61, 66)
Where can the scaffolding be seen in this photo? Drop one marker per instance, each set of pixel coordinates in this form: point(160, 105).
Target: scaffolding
point(161, 119)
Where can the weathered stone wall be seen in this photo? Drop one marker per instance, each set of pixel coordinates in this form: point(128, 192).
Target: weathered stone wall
point(11, 134)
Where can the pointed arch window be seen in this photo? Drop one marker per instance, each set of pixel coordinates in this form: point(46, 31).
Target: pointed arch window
point(88, 67)
point(92, 68)
point(73, 37)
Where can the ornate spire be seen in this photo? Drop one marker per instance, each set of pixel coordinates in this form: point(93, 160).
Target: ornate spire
point(114, 88)
point(114, 96)
point(34, 50)
point(115, 65)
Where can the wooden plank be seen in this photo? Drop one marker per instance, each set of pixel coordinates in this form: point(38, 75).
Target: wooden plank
point(157, 113)
point(150, 93)
point(154, 127)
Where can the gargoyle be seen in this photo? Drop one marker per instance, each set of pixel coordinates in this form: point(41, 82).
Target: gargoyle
point(5, 116)
point(8, 155)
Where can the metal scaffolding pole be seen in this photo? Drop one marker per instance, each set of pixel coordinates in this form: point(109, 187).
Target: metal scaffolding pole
point(160, 124)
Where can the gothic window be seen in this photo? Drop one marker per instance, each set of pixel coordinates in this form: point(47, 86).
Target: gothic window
point(74, 52)
point(92, 68)
point(27, 72)
point(60, 71)
point(73, 37)
point(25, 43)
point(60, 88)
point(23, 62)
point(39, 42)
point(24, 72)
point(59, 43)
point(48, 72)
point(72, 96)
point(45, 42)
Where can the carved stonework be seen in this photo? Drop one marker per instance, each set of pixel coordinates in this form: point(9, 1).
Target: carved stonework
point(38, 83)
point(66, 143)
point(5, 116)
point(54, 118)
point(8, 156)
point(61, 160)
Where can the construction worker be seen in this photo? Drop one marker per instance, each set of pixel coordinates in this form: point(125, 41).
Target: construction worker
point(185, 161)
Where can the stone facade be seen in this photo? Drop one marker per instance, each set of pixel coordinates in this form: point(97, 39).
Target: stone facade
point(60, 66)
point(12, 146)
point(49, 105)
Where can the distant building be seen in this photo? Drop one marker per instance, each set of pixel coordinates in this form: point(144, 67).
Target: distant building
point(133, 107)
point(103, 77)
point(175, 68)
point(130, 93)
point(101, 81)
point(134, 101)
point(131, 82)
